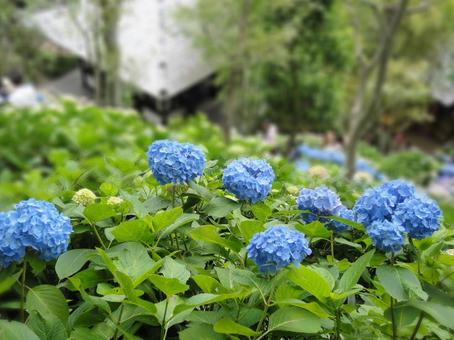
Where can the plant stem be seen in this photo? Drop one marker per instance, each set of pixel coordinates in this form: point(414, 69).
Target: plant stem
point(118, 322)
point(332, 245)
point(418, 324)
point(418, 257)
point(163, 328)
point(173, 196)
point(337, 324)
point(393, 319)
point(98, 236)
point(22, 295)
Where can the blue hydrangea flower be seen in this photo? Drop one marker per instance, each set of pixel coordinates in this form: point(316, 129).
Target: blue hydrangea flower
point(248, 179)
point(173, 162)
point(320, 202)
point(379, 203)
point(41, 227)
point(419, 215)
point(277, 247)
point(11, 249)
point(386, 236)
point(339, 226)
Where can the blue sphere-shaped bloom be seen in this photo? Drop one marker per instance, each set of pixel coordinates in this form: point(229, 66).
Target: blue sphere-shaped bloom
point(379, 203)
point(11, 248)
point(277, 247)
point(173, 162)
point(419, 215)
point(386, 236)
point(339, 226)
point(321, 202)
point(248, 179)
point(40, 226)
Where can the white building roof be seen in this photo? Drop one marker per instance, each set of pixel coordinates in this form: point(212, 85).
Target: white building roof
point(156, 56)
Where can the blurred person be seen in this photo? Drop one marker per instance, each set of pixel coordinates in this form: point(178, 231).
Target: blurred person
point(270, 133)
point(331, 142)
point(18, 93)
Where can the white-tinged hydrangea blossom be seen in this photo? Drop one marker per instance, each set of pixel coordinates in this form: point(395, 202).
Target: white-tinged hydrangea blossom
point(321, 202)
point(173, 162)
point(41, 227)
point(84, 197)
point(114, 200)
point(11, 248)
point(386, 236)
point(419, 215)
point(277, 247)
point(248, 179)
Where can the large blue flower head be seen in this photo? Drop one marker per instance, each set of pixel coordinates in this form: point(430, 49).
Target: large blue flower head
point(321, 202)
point(419, 215)
point(277, 247)
point(40, 226)
point(386, 236)
point(379, 203)
point(11, 249)
point(248, 179)
point(337, 226)
point(173, 162)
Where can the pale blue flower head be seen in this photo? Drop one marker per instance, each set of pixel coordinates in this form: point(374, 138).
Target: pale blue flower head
point(379, 203)
point(321, 202)
point(41, 227)
point(277, 247)
point(11, 248)
point(248, 179)
point(173, 162)
point(419, 215)
point(386, 236)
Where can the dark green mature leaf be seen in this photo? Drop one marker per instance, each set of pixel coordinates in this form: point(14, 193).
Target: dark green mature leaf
point(352, 274)
point(292, 319)
point(131, 258)
point(72, 261)
point(132, 230)
point(181, 221)
point(312, 307)
point(175, 270)
point(98, 212)
point(48, 301)
point(168, 286)
point(404, 315)
point(50, 328)
point(399, 281)
point(311, 281)
point(209, 233)
point(228, 326)
point(220, 207)
point(439, 312)
point(200, 331)
point(13, 330)
point(206, 283)
point(7, 280)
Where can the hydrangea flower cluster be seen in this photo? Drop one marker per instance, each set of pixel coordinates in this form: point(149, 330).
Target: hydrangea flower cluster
point(277, 247)
point(33, 224)
point(84, 197)
point(393, 208)
point(249, 180)
point(173, 162)
point(321, 202)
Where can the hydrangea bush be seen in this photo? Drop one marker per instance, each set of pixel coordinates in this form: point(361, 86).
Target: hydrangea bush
point(293, 257)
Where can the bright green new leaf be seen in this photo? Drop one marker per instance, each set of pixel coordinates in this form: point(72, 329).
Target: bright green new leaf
point(98, 212)
point(164, 218)
point(293, 319)
point(13, 330)
point(353, 273)
point(311, 281)
point(228, 326)
point(72, 261)
point(132, 230)
point(168, 286)
point(249, 228)
point(209, 233)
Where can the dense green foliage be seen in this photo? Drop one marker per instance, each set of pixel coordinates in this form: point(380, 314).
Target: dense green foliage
point(170, 262)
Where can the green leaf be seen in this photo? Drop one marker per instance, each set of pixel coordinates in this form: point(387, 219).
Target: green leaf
point(314, 229)
point(441, 313)
point(352, 274)
point(311, 281)
point(249, 228)
point(206, 283)
point(13, 330)
point(48, 301)
point(48, 329)
point(312, 307)
point(220, 207)
point(261, 211)
point(168, 286)
point(228, 326)
point(209, 233)
point(98, 212)
point(72, 261)
point(132, 230)
point(181, 221)
point(399, 281)
point(163, 219)
point(132, 259)
point(292, 319)
point(7, 280)
point(108, 189)
point(404, 315)
point(175, 270)
point(201, 332)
